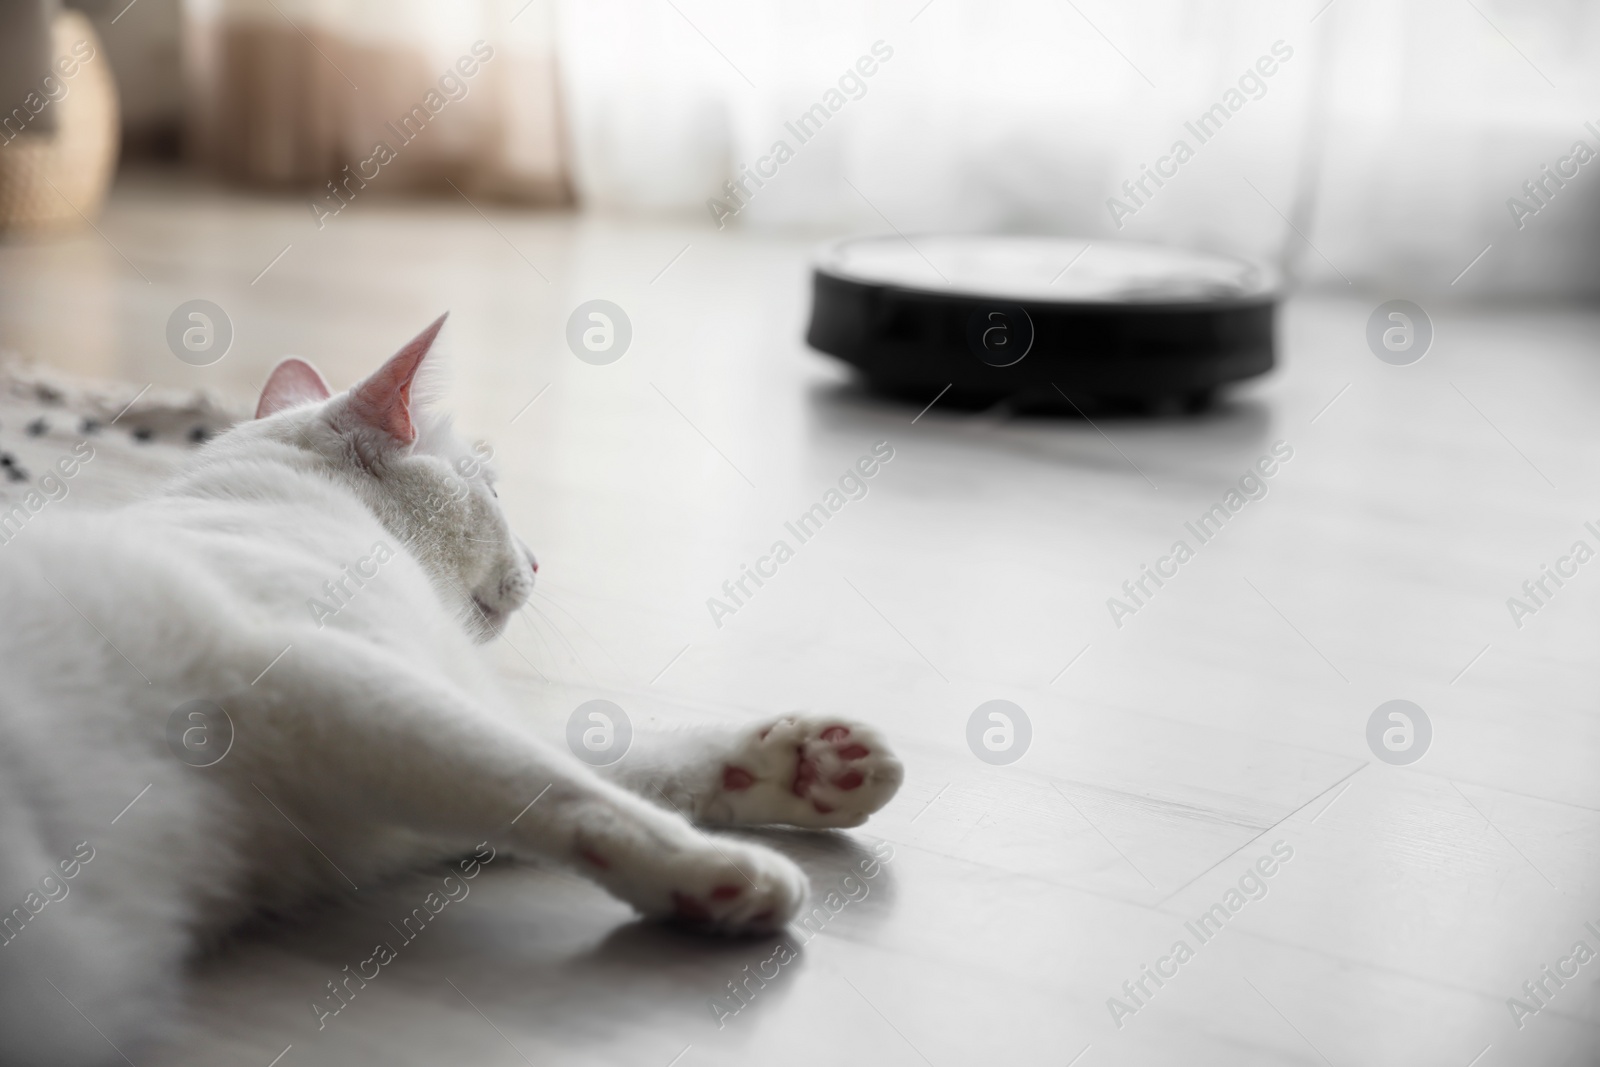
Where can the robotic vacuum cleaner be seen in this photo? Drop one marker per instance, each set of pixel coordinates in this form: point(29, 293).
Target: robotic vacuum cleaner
point(1043, 323)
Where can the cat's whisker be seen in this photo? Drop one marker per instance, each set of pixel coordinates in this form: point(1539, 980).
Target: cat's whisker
point(579, 624)
point(538, 638)
point(534, 616)
point(549, 584)
point(548, 647)
point(576, 655)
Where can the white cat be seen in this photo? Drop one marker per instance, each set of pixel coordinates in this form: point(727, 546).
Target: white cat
point(364, 738)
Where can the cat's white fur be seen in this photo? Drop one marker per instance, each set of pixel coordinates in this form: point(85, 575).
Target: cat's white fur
point(376, 740)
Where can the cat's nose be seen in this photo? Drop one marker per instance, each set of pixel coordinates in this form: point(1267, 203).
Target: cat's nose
point(532, 562)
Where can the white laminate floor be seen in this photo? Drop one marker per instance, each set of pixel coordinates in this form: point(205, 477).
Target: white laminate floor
point(1224, 722)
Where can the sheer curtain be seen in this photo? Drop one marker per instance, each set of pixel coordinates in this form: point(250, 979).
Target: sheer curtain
point(1381, 152)
point(1438, 112)
point(985, 115)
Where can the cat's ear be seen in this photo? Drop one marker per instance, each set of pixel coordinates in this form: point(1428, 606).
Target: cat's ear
point(291, 383)
point(383, 400)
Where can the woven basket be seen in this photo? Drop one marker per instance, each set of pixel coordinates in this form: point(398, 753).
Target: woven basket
point(59, 180)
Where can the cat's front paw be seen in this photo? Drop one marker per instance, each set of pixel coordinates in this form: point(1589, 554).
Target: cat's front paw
point(807, 771)
point(727, 887)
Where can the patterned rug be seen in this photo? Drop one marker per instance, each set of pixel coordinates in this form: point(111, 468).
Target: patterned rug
point(133, 437)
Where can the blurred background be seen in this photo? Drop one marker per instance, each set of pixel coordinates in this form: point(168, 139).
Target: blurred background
point(1382, 153)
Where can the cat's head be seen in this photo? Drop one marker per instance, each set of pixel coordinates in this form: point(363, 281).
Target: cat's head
point(426, 485)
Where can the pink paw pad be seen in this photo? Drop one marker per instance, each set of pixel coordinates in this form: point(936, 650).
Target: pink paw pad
point(687, 907)
point(849, 780)
point(726, 892)
point(595, 858)
point(836, 733)
point(854, 752)
point(737, 778)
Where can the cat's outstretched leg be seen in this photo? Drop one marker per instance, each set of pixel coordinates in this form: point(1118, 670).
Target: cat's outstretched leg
point(378, 745)
point(795, 770)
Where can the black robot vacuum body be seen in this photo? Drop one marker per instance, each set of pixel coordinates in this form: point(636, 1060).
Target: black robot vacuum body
point(1043, 322)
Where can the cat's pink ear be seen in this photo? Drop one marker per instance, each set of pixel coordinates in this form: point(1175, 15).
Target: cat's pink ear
point(291, 383)
point(383, 401)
